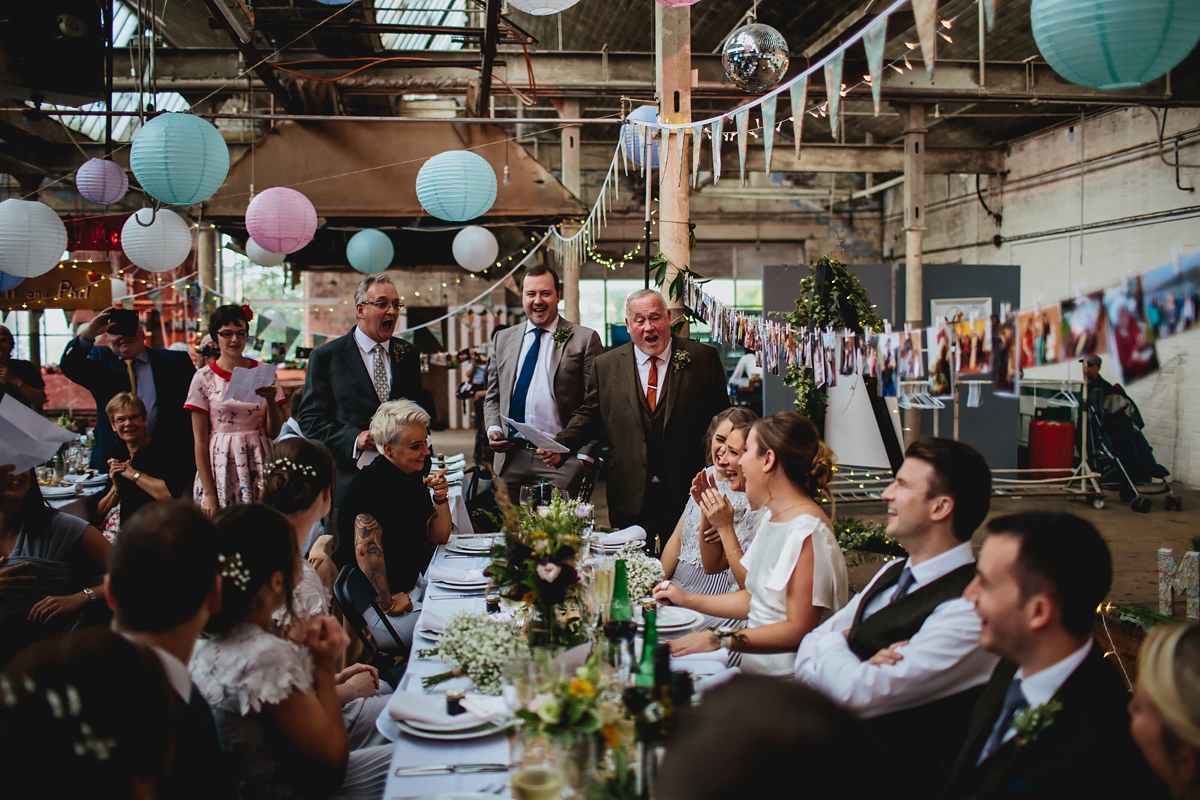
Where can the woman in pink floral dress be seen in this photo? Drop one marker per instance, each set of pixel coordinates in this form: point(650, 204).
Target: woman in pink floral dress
point(232, 438)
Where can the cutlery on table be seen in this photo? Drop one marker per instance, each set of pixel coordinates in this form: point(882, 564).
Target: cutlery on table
point(450, 769)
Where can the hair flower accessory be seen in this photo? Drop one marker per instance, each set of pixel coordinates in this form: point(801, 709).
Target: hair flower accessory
point(246, 310)
point(233, 568)
point(287, 465)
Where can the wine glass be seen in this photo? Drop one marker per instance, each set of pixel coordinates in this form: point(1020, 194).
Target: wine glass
point(527, 493)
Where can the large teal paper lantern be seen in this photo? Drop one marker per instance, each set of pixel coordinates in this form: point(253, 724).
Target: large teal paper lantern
point(179, 159)
point(370, 251)
point(1114, 44)
point(456, 186)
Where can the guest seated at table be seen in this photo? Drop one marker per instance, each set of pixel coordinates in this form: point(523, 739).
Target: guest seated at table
point(753, 737)
point(18, 378)
point(396, 525)
point(683, 556)
point(796, 574)
point(141, 469)
point(86, 714)
point(1165, 710)
point(276, 701)
point(51, 566)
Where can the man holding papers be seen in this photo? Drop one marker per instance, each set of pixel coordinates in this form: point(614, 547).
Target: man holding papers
point(538, 377)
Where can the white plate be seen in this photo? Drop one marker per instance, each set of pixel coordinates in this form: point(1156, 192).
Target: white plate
point(60, 491)
point(86, 480)
point(478, 733)
point(674, 618)
point(458, 796)
point(464, 722)
point(474, 547)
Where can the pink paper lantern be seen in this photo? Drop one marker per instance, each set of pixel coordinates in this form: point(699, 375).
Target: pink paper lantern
point(101, 181)
point(676, 3)
point(281, 220)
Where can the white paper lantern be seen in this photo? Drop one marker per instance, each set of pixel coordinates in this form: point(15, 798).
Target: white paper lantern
point(262, 256)
point(160, 245)
point(475, 248)
point(119, 289)
point(542, 8)
point(32, 238)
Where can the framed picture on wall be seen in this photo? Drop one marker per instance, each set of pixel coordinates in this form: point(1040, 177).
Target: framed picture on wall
point(955, 309)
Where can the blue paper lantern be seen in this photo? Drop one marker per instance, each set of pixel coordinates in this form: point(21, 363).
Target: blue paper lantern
point(8, 281)
point(370, 251)
point(456, 186)
point(1114, 44)
point(179, 159)
point(636, 151)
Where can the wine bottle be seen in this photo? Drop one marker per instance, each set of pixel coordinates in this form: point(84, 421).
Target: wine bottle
point(618, 627)
point(646, 672)
point(620, 609)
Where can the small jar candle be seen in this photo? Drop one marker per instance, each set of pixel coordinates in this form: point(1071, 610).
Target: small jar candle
point(493, 603)
point(454, 702)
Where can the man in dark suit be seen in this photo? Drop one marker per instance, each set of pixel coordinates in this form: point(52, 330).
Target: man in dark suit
point(162, 586)
point(1052, 722)
point(349, 377)
point(538, 375)
point(160, 377)
point(653, 398)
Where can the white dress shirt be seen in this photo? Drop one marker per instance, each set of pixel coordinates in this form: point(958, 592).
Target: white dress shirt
point(1040, 687)
point(943, 658)
point(175, 671)
point(540, 409)
point(643, 367)
point(365, 347)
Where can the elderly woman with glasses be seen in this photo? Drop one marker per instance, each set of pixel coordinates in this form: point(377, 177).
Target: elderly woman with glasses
point(20, 379)
point(232, 437)
point(396, 520)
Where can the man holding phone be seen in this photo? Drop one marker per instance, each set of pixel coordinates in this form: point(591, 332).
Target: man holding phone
point(158, 376)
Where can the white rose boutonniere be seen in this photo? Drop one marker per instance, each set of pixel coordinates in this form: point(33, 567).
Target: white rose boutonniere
point(680, 360)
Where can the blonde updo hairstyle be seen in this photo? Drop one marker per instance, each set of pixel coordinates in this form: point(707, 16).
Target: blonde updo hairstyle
point(799, 452)
point(743, 420)
point(1169, 670)
point(393, 417)
point(296, 472)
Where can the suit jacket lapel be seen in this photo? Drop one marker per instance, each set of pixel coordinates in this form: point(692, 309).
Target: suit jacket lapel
point(557, 354)
point(355, 368)
point(631, 379)
point(674, 378)
point(396, 351)
point(510, 360)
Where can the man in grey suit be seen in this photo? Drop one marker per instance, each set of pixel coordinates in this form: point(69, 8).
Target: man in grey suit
point(538, 375)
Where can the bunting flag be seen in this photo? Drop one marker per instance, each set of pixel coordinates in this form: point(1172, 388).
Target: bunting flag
point(697, 140)
point(989, 13)
point(436, 330)
point(718, 136)
point(799, 94)
point(289, 337)
point(679, 154)
point(156, 298)
point(873, 40)
point(664, 136)
point(768, 122)
point(319, 339)
point(925, 12)
point(261, 323)
point(743, 124)
point(833, 89)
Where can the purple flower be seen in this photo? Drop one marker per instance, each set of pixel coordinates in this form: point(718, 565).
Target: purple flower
point(583, 511)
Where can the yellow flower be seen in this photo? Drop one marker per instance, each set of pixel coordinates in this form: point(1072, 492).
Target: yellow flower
point(538, 535)
point(581, 688)
point(612, 736)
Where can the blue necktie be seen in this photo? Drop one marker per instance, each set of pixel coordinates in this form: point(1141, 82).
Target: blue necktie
point(1014, 700)
point(907, 579)
point(520, 394)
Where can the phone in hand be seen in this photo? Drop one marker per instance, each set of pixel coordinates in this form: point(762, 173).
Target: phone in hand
point(124, 322)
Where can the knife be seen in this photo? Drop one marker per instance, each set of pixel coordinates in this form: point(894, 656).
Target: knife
point(450, 769)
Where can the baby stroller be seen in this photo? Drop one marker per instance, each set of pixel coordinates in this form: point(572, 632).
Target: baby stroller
point(1119, 452)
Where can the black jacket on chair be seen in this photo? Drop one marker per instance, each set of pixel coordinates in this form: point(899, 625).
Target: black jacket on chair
point(1085, 752)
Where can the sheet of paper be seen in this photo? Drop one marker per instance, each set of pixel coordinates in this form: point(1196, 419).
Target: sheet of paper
point(26, 437)
point(543, 440)
point(244, 382)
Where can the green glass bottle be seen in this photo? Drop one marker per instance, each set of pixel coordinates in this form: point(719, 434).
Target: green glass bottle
point(620, 609)
point(645, 673)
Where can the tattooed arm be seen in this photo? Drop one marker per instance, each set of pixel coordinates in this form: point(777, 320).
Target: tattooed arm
point(368, 551)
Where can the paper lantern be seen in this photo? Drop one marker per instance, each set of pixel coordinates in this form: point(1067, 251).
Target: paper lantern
point(101, 181)
point(475, 248)
point(1114, 44)
point(676, 3)
point(370, 251)
point(542, 8)
point(335, 2)
point(159, 245)
point(32, 238)
point(119, 289)
point(8, 281)
point(262, 256)
point(456, 186)
point(281, 220)
point(635, 150)
point(179, 158)
point(755, 58)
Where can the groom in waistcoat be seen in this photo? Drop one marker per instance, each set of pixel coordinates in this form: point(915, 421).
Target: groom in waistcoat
point(904, 653)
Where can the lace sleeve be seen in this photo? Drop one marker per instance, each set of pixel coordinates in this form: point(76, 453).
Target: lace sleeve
point(309, 599)
point(247, 668)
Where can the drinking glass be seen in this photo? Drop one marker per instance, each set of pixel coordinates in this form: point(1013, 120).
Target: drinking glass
point(541, 775)
point(528, 493)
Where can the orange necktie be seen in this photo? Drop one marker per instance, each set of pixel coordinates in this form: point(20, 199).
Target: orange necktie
point(652, 388)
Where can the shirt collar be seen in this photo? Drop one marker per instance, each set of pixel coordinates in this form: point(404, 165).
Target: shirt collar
point(942, 564)
point(176, 671)
point(643, 357)
point(366, 343)
point(143, 355)
point(549, 329)
point(221, 373)
point(1040, 687)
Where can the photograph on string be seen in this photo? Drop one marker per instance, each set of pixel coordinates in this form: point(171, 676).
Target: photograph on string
point(829, 350)
point(1084, 327)
point(848, 358)
point(1136, 355)
point(870, 356)
point(889, 354)
point(1006, 354)
point(939, 339)
point(1168, 296)
point(1040, 336)
point(974, 350)
point(911, 363)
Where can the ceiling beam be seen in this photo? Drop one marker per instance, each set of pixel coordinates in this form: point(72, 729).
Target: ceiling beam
point(247, 51)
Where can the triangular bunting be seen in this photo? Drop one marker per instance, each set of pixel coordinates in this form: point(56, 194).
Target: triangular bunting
point(925, 12)
point(989, 13)
point(261, 323)
point(289, 338)
point(874, 38)
point(718, 136)
point(697, 140)
point(157, 299)
point(664, 148)
point(799, 93)
point(833, 89)
point(436, 330)
point(680, 138)
point(319, 339)
point(743, 124)
point(768, 121)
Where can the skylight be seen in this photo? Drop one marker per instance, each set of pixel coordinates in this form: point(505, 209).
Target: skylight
point(450, 13)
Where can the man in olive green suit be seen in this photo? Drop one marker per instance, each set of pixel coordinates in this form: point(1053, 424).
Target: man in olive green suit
point(653, 400)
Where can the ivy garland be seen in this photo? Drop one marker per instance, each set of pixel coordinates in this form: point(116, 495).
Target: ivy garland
point(812, 314)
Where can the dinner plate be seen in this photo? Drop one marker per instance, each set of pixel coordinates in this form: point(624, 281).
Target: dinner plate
point(60, 491)
point(459, 796)
point(86, 480)
point(674, 618)
point(487, 729)
point(463, 722)
point(478, 547)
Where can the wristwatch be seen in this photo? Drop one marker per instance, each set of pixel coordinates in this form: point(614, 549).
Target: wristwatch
point(91, 596)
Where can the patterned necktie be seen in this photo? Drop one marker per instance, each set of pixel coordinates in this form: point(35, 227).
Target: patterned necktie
point(380, 381)
point(132, 377)
point(1014, 700)
point(652, 384)
point(520, 395)
point(904, 584)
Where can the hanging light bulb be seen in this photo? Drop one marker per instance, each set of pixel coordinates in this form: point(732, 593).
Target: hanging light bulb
point(946, 37)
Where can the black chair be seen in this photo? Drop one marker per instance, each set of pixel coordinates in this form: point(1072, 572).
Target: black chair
point(355, 595)
point(589, 482)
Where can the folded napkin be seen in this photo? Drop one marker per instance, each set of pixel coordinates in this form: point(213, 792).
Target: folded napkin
point(444, 573)
point(623, 536)
point(430, 709)
point(721, 654)
point(488, 709)
point(454, 477)
point(435, 616)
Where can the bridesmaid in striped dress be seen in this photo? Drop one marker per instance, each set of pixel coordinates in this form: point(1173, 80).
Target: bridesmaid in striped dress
point(682, 559)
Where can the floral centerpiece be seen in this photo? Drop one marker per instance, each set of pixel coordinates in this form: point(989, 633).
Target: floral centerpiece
point(476, 646)
point(644, 571)
point(535, 565)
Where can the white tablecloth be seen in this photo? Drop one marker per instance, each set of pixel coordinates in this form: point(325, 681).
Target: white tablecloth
point(76, 505)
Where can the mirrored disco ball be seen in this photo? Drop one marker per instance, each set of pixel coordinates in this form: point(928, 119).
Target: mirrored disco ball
point(755, 58)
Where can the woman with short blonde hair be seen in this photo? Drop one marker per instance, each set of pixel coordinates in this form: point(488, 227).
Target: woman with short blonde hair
point(1164, 715)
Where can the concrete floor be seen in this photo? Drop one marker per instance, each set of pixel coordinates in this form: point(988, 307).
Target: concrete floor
point(1133, 538)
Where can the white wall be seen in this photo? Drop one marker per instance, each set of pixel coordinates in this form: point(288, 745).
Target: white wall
point(1123, 177)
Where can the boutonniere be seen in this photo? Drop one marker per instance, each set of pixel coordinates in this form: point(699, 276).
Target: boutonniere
point(400, 348)
point(560, 336)
point(681, 359)
point(1031, 721)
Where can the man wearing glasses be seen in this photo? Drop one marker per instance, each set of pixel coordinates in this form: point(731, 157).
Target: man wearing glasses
point(349, 377)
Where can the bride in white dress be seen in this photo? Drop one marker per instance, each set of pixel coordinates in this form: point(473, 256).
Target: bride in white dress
point(796, 575)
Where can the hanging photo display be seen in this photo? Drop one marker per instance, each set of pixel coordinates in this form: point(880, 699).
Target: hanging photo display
point(829, 350)
point(910, 362)
point(1006, 352)
point(974, 339)
point(848, 358)
point(1084, 326)
point(1136, 355)
point(889, 352)
point(941, 373)
point(1040, 333)
point(1169, 296)
point(870, 356)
